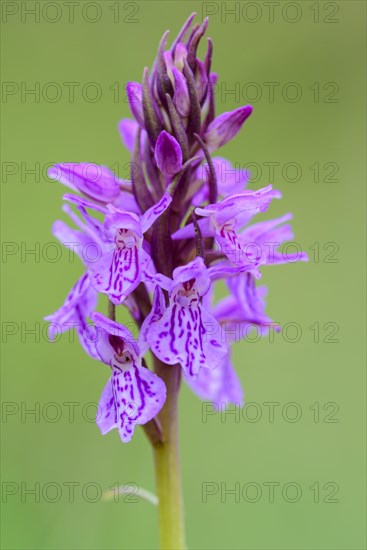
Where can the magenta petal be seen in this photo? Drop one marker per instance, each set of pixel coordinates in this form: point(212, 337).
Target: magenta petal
point(155, 315)
point(139, 395)
point(117, 273)
point(126, 201)
point(188, 231)
point(107, 329)
point(233, 212)
point(73, 314)
point(74, 240)
point(85, 203)
point(181, 96)
point(195, 269)
point(94, 181)
point(155, 211)
point(117, 219)
point(187, 334)
point(106, 415)
point(242, 206)
point(168, 154)
point(92, 227)
point(220, 385)
point(226, 269)
point(128, 129)
point(226, 126)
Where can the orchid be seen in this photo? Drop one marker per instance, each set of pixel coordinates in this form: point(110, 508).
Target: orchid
point(133, 395)
point(184, 332)
point(160, 243)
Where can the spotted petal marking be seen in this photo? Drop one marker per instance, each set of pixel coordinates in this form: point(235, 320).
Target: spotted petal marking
point(117, 273)
point(188, 335)
point(132, 396)
point(230, 245)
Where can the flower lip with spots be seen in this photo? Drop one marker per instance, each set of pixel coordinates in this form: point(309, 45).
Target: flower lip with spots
point(133, 395)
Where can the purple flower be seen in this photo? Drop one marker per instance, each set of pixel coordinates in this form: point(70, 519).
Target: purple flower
point(184, 332)
point(224, 218)
point(122, 262)
point(133, 395)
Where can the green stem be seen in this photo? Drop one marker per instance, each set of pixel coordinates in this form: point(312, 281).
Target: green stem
point(167, 464)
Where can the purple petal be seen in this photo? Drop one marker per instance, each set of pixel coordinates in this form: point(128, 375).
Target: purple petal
point(226, 269)
point(80, 201)
point(243, 205)
point(188, 230)
point(106, 415)
point(73, 314)
point(195, 269)
point(220, 385)
point(126, 201)
point(138, 396)
point(74, 240)
point(156, 313)
point(155, 211)
point(107, 327)
point(117, 273)
point(225, 127)
point(168, 155)
point(262, 240)
point(188, 335)
point(92, 227)
point(96, 182)
point(117, 219)
point(244, 309)
point(181, 96)
point(128, 129)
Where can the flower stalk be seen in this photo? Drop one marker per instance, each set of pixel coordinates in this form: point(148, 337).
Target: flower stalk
point(167, 464)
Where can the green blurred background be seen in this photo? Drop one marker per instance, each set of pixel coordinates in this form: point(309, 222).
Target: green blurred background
point(323, 52)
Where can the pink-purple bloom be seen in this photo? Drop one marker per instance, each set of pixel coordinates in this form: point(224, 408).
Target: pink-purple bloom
point(185, 332)
point(133, 395)
point(158, 243)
